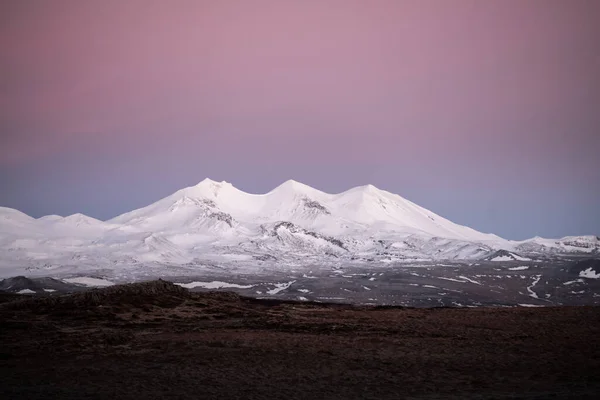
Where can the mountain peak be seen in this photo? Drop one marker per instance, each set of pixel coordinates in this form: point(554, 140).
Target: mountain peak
point(79, 218)
point(369, 188)
point(206, 188)
point(364, 189)
point(208, 181)
point(292, 186)
point(7, 212)
point(51, 217)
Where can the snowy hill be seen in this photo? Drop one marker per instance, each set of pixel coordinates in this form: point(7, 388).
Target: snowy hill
point(578, 244)
point(361, 208)
point(215, 225)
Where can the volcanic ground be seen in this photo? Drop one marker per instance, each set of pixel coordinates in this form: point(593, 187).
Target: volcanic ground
point(451, 284)
point(159, 340)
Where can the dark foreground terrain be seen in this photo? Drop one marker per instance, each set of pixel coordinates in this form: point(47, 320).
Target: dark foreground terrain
point(157, 340)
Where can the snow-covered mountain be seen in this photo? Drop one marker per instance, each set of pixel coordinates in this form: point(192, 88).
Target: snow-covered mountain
point(214, 223)
point(220, 207)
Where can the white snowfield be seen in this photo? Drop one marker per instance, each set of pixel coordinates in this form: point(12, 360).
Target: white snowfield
point(213, 285)
point(88, 281)
point(510, 257)
point(590, 274)
point(214, 226)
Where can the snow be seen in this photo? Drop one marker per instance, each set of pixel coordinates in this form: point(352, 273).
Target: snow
point(26, 291)
point(567, 244)
point(510, 257)
point(49, 290)
point(502, 258)
point(304, 290)
point(279, 287)
point(530, 305)
point(451, 279)
point(469, 280)
point(213, 285)
point(89, 281)
point(50, 218)
point(215, 225)
point(530, 287)
point(522, 268)
point(572, 282)
point(302, 298)
point(590, 274)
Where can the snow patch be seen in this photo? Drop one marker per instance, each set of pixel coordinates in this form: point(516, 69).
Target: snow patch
point(469, 280)
point(572, 282)
point(213, 285)
point(502, 258)
point(530, 287)
point(26, 291)
point(279, 287)
point(521, 268)
point(89, 281)
point(451, 279)
point(510, 257)
point(590, 274)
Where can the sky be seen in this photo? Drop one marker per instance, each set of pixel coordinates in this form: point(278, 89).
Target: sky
point(485, 112)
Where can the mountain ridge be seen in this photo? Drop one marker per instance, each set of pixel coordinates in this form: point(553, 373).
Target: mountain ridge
point(288, 201)
point(293, 224)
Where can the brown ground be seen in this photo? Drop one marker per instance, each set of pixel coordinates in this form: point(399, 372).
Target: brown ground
point(157, 340)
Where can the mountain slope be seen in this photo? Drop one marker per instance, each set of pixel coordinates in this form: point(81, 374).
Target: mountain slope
point(356, 209)
point(215, 224)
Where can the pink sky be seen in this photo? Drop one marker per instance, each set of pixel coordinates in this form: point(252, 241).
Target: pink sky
point(460, 94)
